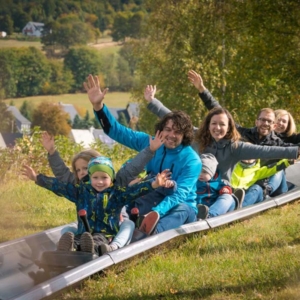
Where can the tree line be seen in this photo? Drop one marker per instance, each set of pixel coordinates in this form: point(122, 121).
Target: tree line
point(246, 51)
point(123, 18)
point(28, 72)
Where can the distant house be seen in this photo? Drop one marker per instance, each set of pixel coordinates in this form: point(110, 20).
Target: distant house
point(8, 140)
point(69, 109)
point(23, 125)
point(2, 142)
point(130, 112)
point(33, 29)
point(82, 136)
point(105, 139)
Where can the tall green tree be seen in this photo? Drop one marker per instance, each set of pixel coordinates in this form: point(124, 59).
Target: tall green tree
point(237, 46)
point(26, 110)
point(82, 62)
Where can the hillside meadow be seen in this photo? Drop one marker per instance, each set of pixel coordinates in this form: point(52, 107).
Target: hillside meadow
point(79, 100)
point(258, 258)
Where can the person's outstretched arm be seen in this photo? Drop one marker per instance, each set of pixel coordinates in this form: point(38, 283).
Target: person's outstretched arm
point(133, 139)
point(64, 189)
point(137, 165)
point(154, 105)
point(207, 98)
point(57, 165)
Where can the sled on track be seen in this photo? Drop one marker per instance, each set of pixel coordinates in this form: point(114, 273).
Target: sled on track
point(22, 273)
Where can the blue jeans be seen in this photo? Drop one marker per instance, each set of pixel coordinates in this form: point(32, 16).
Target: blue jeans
point(223, 204)
point(123, 237)
point(278, 184)
point(253, 195)
point(177, 216)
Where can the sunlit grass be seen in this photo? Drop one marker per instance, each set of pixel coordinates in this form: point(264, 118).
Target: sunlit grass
point(80, 100)
point(258, 258)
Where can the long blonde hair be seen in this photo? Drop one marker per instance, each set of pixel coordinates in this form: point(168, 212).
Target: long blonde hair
point(291, 127)
point(85, 155)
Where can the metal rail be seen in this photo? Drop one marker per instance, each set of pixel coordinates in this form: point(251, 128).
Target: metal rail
point(17, 257)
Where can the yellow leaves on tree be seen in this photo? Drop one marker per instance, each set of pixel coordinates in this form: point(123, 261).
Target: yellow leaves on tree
point(51, 118)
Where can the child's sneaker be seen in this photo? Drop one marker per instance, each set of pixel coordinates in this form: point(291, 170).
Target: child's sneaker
point(240, 195)
point(66, 242)
point(202, 212)
point(108, 248)
point(87, 243)
point(149, 222)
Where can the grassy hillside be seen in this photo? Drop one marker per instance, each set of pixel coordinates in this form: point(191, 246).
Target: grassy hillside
point(115, 99)
point(254, 259)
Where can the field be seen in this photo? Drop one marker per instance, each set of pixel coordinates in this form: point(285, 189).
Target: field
point(104, 45)
point(253, 259)
point(114, 100)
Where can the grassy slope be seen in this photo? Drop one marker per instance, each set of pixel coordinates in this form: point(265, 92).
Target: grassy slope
point(255, 259)
point(115, 99)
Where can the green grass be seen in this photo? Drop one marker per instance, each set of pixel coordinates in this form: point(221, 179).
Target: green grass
point(17, 44)
point(115, 99)
point(258, 258)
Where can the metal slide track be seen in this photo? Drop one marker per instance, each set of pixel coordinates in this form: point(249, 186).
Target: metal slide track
point(17, 257)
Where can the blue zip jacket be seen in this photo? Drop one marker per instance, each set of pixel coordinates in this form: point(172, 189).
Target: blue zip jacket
point(208, 192)
point(103, 208)
point(183, 161)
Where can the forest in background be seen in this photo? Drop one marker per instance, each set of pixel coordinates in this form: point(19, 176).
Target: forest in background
point(246, 51)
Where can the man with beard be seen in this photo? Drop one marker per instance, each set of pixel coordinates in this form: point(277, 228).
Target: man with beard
point(262, 134)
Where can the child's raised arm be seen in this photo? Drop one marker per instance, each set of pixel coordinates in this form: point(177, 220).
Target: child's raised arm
point(29, 172)
point(48, 142)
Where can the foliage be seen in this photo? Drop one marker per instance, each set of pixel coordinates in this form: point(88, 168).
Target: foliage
point(29, 150)
point(82, 62)
point(26, 110)
point(127, 24)
point(66, 32)
point(84, 123)
point(23, 71)
point(60, 81)
point(51, 118)
point(99, 13)
point(6, 119)
point(237, 47)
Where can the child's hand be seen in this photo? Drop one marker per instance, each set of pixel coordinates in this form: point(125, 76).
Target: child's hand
point(161, 178)
point(48, 142)
point(196, 80)
point(157, 141)
point(169, 184)
point(29, 172)
point(96, 96)
point(149, 92)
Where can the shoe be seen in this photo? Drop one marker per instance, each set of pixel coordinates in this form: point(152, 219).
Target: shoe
point(66, 242)
point(267, 192)
point(108, 248)
point(149, 222)
point(202, 212)
point(87, 243)
point(240, 195)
